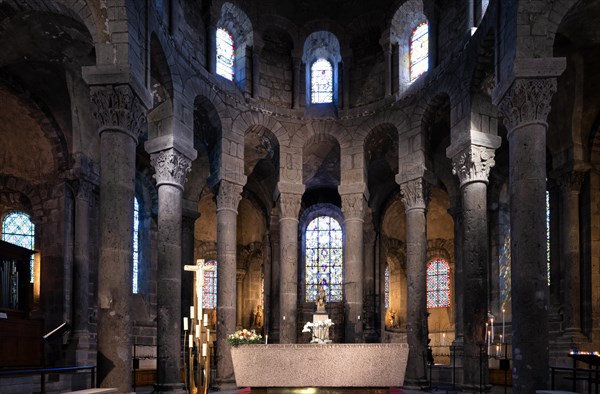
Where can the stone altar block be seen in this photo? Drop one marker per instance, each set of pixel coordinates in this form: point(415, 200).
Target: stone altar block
point(310, 365)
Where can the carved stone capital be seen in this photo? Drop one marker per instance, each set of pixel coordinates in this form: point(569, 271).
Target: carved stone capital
point(473, 164)
point(415, 194)
point(353, 206)
point(171, 167)
point(571, 182)
point(229, 195)
point(118, 109)
point(527, 100)
point(289, 205)
point(240, 274)
point(84, 189)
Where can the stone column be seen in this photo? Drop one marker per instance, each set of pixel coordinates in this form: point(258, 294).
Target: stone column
point(239, 280)
point(275, 314)
point(188, 222)
point(457, 215)
point(369, 278)
point(570, 184)
point(266, 283)
point(353, 206)
point(415, 197)
point(297, 80)
point(81, 291)
point(228, 198)
point(525, 107)
point(472, 165)
point(171, 168)
point(289, 207)
point(387, 59)
point(120, 116)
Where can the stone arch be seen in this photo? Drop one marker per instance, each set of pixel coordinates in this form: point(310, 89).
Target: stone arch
point(321, 45)
point(381, 163)
point(246, 120)
point(160, 71)
point(483, 73)
point(321, 162)
point(208, 133)
point(15, 190)
point(197, 86)
point(427, 113)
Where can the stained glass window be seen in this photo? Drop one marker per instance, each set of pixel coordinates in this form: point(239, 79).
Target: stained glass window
point(504, 265)
point(484, 6)
point(209, 298)
point(321, 82)
point(18, 229)
point(324, 258)
point(225, 54)
point(419, 50)
point(387, 286)
point(136, 245)
point(438, 284)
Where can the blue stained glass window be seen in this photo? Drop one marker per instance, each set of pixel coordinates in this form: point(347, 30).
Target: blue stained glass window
point(136, 246)
point(225, 54)
point(438, 284)
point(484, 6)
point(18, 229)
point(321, 82)
point(324, 259)
point(419, 50)
point(209, 298)
point(387, 286)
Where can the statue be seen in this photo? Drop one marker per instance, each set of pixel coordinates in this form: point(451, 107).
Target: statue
point(258, 317)
point(320, 301)
point(213, 317)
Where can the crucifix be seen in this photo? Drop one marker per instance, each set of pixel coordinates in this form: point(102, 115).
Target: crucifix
point(196, 310)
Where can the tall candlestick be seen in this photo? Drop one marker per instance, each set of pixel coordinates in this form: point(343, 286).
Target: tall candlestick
point(492, 324)
point(266, 338)
point(207, 334)
point(192, 312)
point(191, 341)
point(197, 330)
point(443, 339)
point(185, 324)
point(486, 332)
point(204, 349)
point(503, 323)
point(205, 320)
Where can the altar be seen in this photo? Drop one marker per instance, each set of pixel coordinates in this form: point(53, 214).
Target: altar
point(351, 365)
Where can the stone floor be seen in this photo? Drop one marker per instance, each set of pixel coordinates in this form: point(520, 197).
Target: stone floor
point(495, 390)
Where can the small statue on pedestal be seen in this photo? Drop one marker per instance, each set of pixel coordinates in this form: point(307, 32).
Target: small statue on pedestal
point(321, 300)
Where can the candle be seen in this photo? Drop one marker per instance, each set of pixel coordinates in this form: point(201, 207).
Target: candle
point(489, 337)
point(192, 312)
point(266, 338)
point(204, 348)
point(207, 334)
point(492, 325)
point(185, 324)
point(498, 350)
point(443, 339)
point(486, 332)
point(205, 320)
point(191, 341)
point(197, 330)
point(503, 323)
point(284, 317)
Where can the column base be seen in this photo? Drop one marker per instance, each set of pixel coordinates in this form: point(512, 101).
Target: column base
point(176, 388)
point(572, 337)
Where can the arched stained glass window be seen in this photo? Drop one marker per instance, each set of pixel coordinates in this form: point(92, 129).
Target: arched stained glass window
point(387, 286)
point(136, 246)
point(18, 229)
point(209, 298)
point(484, 6)
point(321, 82)
point(419, 50)
point(324, 258)
point(225, 54)
point(438, 284)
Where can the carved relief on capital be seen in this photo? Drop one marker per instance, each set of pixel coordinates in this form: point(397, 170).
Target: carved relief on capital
point(171, 167)
point(527, 100)
point(473, 164)
point(289, 205)
point(353, 205)
point(229, 195)
point(571, 182)
point(415, 193)
point(118, 108)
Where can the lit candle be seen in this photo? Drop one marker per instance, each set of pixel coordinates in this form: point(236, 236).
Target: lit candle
point(490, 337)
point(503, 323)
point(207, 334)
point(498, 350)
point(192, 312)
point(284, 317)
point(443, 339)
point(185, 324)
point(486, 332)
point(205, 320)
point(266, 338)
point(197, 330)
point(191, 341)
point(492, 325)
point(204, 348)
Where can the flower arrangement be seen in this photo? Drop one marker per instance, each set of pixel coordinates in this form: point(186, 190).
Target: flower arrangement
point(244, 337)
point(319, 331)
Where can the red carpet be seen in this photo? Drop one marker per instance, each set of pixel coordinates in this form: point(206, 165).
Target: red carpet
point(244, 391)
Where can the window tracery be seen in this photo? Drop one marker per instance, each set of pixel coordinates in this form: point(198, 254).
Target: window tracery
point(438, 284)
point(324, 259)
point(225, 54)
point(321, 82)
point(18, 229)
point(209, 296)
point(419, 50)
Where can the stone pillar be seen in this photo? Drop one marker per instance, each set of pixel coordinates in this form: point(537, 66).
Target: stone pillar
point(387, 59)
point(171, 167)
point(297, 80)
point(289, 207)
point(369, 278)
point(525, 106)
point(256, 52)
point(457, 215)
point(228, 198)
point(353, 207)
point(570, 254)
point(120, 115)
point(81, 291)
point(188, 222)
point(472, 165)
point(239, 280)
point(267, 256)
point(415, 197)
point(275, 314)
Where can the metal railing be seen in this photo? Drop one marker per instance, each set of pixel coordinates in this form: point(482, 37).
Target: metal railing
point(45, 371)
